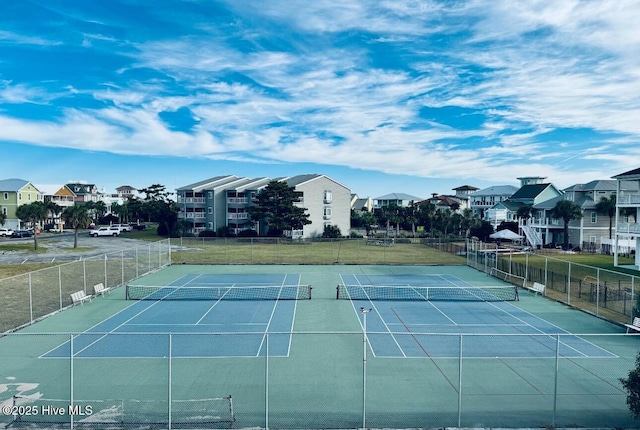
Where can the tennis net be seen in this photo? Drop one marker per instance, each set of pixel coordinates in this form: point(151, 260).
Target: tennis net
point(171, 292)
point(431, 293)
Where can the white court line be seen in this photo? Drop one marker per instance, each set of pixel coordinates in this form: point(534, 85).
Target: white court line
point(88, 331)
point(373, 306)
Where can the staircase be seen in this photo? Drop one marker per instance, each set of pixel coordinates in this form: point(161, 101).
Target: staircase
point(532, 235)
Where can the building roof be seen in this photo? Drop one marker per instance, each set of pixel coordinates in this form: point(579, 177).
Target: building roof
point(529, 191)
point(12, 184)
point(548, 204)
point(294, 181)
point(465, 188)
point(635, 173)
point(398, 196)
point(496, 190)
point(210, 183)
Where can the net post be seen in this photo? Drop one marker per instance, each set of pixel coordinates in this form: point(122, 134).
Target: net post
point(337, 292)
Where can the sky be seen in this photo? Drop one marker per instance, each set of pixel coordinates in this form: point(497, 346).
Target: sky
point(384, 96)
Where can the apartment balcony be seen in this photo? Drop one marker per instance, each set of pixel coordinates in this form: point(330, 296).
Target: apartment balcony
point(193, 215)
point(626, 199)
point(240, 215)
point(628, 228)
point(191, 199)
point(237, 200)
point(545, 223)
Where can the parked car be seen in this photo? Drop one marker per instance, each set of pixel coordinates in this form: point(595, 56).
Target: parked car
point(5, 232)
point(123, 227)
point(105, 231)
point(21, 233)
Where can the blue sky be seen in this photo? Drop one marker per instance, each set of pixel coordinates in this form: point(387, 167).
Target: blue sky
point(383, 95)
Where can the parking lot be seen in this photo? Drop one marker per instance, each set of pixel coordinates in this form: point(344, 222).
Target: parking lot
point(59, 247)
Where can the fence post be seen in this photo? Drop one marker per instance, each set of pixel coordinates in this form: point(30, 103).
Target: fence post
point(60, 285)
point(460, 383)
point(169, 381)
point(71, 378)
point(569, 285)
point(30, 300)
point(555, 382)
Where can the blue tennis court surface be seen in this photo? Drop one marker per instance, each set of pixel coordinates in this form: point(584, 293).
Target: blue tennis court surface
point(430, 329)
point(241, 325)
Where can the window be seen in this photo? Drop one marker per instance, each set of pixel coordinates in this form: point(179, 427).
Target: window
point(327, 212)
point(210, 210)
point(328, 196)
point(592, 240)
point(6, 196)
point(594, 217)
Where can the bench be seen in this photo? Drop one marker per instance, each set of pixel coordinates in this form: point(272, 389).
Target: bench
point(538, 288)
point(79, 296)
point(101, 289)
point(635, 325)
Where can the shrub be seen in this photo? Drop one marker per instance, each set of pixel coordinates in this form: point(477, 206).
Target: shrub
point(632, 387)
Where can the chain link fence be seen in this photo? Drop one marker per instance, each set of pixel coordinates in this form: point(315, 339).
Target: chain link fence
point(31, 296)
point(604, 293)
point(328, 380)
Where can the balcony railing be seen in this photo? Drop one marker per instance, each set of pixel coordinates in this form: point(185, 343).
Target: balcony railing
point(193, 215)
point(628, 199)
point(237, 200)
point(191, 199)
point(545, 222)
point(628, 228)
point(241, 215)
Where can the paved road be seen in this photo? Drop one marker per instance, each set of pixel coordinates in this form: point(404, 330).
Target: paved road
point(59, 247)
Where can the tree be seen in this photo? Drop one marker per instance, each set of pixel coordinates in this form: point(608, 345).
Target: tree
point(331, 232)
point(482, 230)
point(607, 206)
point(276, 206)
point(160, 208)
point(631, 385)
point(524, 212)
point(77, 216)
point(566, 210)
point(3, 218)
point(35, 213)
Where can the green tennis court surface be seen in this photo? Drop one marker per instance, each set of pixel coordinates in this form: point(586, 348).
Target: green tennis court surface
point(273, 346)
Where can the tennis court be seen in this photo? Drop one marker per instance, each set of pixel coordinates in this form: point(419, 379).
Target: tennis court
point(445, 304)
point(272, 347)
point(193, 304)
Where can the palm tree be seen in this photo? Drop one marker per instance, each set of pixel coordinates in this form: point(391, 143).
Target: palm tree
point(78, 217)
point(524, 212)
point(35, 213)
point(607, 206)
point(566, 210)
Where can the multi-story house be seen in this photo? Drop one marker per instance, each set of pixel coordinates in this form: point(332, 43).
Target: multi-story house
point(84, 192)
point(126, 192)
point(541, 196)
point(64, 198)
point(359, 204)
point(14, 193)
point(483, 200)
point(400, 199)
point(592, 230)
point(627, 214)
point(222, 201)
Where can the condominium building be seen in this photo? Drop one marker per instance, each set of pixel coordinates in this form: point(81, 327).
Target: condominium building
point(222, 201)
